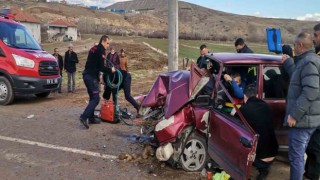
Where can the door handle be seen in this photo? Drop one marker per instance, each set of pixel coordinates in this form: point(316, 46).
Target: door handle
point(245, 142)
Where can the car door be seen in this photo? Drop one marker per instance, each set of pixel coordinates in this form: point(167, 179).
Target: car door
point(273, 90)
point(231, 141)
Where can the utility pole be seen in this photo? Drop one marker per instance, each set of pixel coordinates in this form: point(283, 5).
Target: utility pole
point(173, 35)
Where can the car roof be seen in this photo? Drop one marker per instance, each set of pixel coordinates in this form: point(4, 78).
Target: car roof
point(245, 58)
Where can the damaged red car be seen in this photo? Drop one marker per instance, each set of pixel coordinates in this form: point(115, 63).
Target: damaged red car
point(186, 113)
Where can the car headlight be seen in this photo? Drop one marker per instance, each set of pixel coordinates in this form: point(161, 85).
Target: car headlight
point(22, 61)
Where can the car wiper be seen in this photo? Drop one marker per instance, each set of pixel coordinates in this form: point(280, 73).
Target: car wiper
point(14, 46)
point(31, 49)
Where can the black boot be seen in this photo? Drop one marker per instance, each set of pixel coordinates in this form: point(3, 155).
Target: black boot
point(263, 173)
point(94, 120)
point(84, 122)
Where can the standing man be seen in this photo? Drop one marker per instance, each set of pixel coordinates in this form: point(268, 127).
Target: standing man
point(70, 61)
point(241, 47)
point(201, 61)
point(259, 116)
point(249, 75)
point(91, 77)
point(312, 167)
point(60, 62)
point(303, 99)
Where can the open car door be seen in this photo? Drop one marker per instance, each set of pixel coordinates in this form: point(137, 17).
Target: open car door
point(174, 89)
point(231, 142)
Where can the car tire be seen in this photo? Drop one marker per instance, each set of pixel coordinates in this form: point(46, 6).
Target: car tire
point(43, 95)
point(6, 91)
point(194, 156)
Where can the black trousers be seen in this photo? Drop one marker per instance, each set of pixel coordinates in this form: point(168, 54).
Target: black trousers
point(108, 90)
point(93, 92)
point(126, 86)
point(312, 167)
point(127, 91)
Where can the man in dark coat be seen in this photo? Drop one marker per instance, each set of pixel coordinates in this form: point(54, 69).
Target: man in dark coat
point(248, 74)
point(241, 47)
point(259, 116)
point(303, 99)
point(60, 63)
point(202, 61)
point(91, 77)
point(70, 61)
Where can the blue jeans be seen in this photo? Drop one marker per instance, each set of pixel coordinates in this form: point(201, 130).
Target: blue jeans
point(71, 80)
point(298, 141)
point(94, 98)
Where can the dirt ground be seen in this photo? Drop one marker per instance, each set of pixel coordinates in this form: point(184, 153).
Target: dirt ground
point(55, 121)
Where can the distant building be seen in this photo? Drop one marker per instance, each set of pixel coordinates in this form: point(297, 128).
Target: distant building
point(30, 22)
point(62, 30)
point(146, 10)
point(93, 7)
point(117, 10)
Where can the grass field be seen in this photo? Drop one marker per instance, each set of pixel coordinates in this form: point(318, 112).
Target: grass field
point(187, 48)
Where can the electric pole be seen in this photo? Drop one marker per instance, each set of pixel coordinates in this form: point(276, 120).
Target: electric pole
point(173, 35)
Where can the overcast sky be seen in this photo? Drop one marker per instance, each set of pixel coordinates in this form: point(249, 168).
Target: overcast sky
point(294, 9)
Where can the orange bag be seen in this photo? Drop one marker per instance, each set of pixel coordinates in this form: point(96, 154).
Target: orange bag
point(107, 111)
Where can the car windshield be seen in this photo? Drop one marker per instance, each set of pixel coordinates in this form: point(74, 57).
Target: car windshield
point(17, 36)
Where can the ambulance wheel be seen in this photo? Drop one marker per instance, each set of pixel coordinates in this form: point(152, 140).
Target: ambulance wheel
point(6, 91)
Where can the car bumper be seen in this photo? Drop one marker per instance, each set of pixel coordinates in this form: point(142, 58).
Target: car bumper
point(31, 85)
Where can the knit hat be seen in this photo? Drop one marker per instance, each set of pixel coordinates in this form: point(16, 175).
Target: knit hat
point(286, 49)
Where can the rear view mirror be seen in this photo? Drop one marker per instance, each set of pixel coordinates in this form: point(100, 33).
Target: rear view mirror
point(203, 100)
point(2, 53)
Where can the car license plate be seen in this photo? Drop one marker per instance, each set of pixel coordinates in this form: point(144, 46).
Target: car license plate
point(52, 81)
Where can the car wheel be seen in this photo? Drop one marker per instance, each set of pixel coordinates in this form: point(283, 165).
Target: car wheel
point(194, 155)
point(43, 95)
point(6, 91)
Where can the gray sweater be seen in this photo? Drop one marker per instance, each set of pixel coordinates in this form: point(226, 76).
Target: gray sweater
point(303, 99)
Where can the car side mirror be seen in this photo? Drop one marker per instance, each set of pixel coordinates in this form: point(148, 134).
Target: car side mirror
point(2, 53)
point(203, 100)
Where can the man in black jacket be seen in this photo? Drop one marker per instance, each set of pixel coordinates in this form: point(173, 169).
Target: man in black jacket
point(249, 75)
point(259, 116)
point(60, 63)
point(70, 61)
point(202, 61)
point(241, 47)
point(91, 77)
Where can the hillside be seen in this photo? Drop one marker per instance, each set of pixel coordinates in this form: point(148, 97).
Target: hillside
point(207, 23)
point(196, 22)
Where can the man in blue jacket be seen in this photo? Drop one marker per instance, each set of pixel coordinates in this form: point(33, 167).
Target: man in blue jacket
point(303, 100)
point(236, 85)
